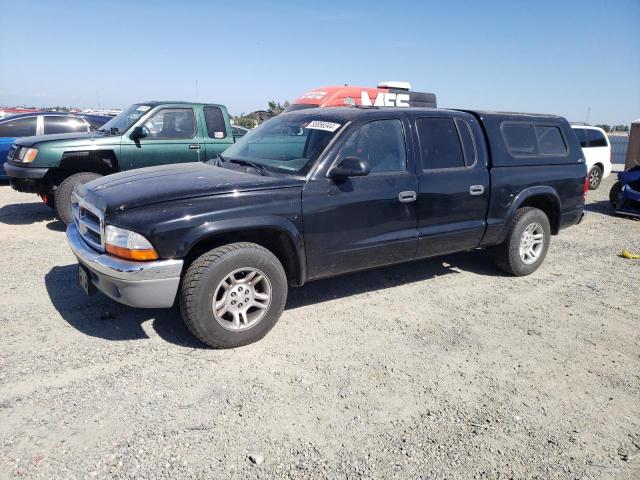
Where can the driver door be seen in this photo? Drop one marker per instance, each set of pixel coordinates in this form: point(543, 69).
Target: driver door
point(363, 222)
point(172, 136)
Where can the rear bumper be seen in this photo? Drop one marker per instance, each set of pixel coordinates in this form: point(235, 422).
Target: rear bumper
point(137, 284)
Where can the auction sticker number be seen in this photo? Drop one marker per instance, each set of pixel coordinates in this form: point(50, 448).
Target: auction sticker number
point(326, 126)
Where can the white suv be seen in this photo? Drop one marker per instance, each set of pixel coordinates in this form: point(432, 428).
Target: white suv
point(597, 152)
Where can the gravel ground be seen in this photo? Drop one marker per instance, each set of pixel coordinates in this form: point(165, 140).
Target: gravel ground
point(437, 369)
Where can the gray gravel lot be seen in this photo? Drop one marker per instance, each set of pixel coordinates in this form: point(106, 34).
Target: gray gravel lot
point(437, 369)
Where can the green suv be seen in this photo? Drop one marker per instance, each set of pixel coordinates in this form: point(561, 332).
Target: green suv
point(145, 134)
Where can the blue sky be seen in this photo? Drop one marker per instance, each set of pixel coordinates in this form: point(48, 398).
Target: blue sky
point(545, 56)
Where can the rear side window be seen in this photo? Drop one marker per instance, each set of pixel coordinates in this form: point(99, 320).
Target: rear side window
point(520, 138)
point(214, 118)
point(61, 124)
point(468, 145)
point(550, 141)
point(582, 136)
point(596, 138)
point(20, 127)
point(439, 143)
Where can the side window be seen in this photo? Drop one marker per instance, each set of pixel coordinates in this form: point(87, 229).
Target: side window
point(468, 145)
point(439, 143)
point(381, 143)
point(550, 141)
point(171, 123)
point(520, 138)
point(61, 124)
point(582, 136)
point(214, 118)
point(596, 138)
point(20, 127)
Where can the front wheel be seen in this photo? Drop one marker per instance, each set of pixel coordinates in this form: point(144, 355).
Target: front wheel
point(527, 243)
point(233, 295)
point(614, 194)
point(65, 190)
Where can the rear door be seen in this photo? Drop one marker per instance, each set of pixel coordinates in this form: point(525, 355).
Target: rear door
point(217, 133)
point(363, 222)
point(172, 136)
point(453, 191)
point(598, 149)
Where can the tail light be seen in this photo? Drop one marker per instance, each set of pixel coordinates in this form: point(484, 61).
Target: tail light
point(585, 189)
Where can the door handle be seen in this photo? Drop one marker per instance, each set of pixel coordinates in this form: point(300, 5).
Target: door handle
point(476, 189)
point(407, 196)
point(194, 146)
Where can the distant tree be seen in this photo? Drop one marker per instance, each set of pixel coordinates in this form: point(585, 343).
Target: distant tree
point(245, 121)
point(277, 108)
point(620, 128)
point(605, 127)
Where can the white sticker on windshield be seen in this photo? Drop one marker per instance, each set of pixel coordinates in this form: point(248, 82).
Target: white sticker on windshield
point(327, 126)
point(143, 108)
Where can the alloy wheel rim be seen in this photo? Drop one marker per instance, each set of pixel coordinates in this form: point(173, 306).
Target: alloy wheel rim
point(531, 243)
point(594, 178)
point(241, 299)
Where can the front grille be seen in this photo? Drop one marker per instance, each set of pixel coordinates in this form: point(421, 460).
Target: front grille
point(90, 222)
point(13, 153)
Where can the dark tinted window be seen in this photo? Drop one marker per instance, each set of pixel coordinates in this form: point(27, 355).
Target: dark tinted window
point(62, 124)
point(468, 146)
point(171, 123)
point(20, 127)
point(439, 143)
point(596, 138)
point(520, 138)
point(550, 141)
point(216, 126)
point(582, 136)
point(381, 143)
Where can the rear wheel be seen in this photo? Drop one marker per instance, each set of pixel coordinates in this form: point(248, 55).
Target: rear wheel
point(527, 243)
point(595, 177)
point(614, 194)
point(64, 191)
point(233, 295)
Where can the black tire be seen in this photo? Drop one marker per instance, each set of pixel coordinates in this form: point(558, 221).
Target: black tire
point(614, 193)
point(507, 255)
point(202, 279)
point(595, 177)
point(63, 193)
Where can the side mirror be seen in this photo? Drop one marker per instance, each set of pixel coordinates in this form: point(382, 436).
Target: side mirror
point(349, 167)
point(138, 133)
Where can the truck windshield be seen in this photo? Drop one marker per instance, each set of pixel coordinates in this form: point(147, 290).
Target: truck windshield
point(121, 122)
point(285, 143)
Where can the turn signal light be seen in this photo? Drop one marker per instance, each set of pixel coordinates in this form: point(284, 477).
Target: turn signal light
point(140, 255)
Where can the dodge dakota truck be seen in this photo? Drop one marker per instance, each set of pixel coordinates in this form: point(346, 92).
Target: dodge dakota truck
point(321, 192)
point(150, 133)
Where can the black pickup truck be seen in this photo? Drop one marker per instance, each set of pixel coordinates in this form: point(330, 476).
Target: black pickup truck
point(321, 192)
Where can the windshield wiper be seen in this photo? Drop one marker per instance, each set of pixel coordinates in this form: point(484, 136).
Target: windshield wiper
point(256, 166)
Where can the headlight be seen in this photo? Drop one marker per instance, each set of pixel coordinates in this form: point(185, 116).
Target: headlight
point(28, 155)
point(127, 244)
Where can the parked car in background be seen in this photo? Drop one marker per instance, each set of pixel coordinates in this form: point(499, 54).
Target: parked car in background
point(238, 132)
point(321, 192)
point(145, 134)
point(43, 123)
point(597, 152)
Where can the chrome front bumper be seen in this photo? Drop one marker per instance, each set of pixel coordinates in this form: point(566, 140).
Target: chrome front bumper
point(137, 284)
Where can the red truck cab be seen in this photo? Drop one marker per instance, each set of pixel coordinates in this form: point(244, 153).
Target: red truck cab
point(386, 94)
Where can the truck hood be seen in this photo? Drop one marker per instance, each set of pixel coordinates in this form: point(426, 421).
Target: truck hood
point(152, 185)
point(84, 139)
